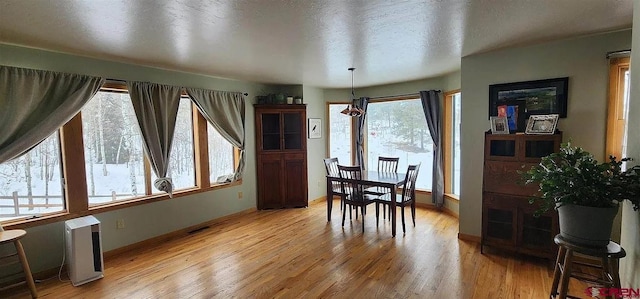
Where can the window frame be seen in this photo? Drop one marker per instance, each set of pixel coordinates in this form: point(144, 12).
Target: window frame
point(616, 121)
point(328, 130)
point(448, 135)
point(366, 140)
point(448, 143)
point(74, 172)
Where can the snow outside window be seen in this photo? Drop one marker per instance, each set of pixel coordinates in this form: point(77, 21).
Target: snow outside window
point(181, 161)
point(455, 180)
point(113, 150)
point(339, 134)
point(399, 129)
point(31, 184)
point(220, 155)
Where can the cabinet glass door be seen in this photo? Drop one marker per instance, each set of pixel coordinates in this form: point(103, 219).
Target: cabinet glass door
point(292, 131)
point(271, 131)
point(500, 224)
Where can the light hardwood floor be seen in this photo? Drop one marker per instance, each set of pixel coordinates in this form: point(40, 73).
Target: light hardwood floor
point(296, 253)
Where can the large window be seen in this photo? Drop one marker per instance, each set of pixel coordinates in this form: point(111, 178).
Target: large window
point(399, 129)
point(339, 134)
point(618, 106)
point(455, 161)
point(115, 169)
point(113, 149)
point(31, 185)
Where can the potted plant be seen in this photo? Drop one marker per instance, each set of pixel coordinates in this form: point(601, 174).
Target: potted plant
point(586, 193)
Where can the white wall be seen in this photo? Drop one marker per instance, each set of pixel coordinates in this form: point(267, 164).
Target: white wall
point(316, 148)
point(581, 59)
point(630, 235)
point(43, 244)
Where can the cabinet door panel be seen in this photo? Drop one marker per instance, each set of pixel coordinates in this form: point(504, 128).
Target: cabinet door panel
point(503, 177)
point(270, 124)
point(271, 193)
point(293, 131)
point(296, 180)
point(537, 232)
point(499, 219)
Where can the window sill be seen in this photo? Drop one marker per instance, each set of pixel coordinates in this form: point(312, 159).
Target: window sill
point(452, 196)
point(33, 221)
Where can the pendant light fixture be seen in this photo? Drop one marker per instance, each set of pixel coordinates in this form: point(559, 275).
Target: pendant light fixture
point(352, 109)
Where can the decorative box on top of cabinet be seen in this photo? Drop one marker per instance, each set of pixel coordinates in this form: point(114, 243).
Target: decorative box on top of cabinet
point(281, 152)
point(508, 220)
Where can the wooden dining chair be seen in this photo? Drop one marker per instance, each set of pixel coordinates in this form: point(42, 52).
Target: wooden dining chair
point(331, 165)
point(385, 164)
point(388, 164)
point(406, 198)
point(356, 197)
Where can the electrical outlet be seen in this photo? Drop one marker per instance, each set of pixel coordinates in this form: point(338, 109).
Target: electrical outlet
point(239, 194)
point(120, 224)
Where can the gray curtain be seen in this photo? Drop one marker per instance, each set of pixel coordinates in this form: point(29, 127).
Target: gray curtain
point(225, 111)
point(156, 108)
point(363, 104)
point(34, 104)
point(432, 106)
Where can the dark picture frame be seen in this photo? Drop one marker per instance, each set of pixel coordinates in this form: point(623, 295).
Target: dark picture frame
point(519, 100)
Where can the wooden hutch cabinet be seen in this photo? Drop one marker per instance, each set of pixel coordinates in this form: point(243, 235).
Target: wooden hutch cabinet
point(281, 150)
point(508, 220)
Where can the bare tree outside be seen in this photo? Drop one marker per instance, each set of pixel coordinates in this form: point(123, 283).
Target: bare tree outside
point(113, 148)
point(31, 184)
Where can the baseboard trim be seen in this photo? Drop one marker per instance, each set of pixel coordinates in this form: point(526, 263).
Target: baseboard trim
point(432, 207)
point(470, 238)
point(319, 199)
point(172, 235)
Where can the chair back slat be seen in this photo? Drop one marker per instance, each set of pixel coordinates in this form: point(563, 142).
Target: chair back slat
point(353, 173)
point(331, 165)
point(388, 164)
point(409, 189)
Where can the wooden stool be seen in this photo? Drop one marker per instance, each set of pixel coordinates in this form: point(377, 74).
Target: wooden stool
point(14, 236)
point(609, 256)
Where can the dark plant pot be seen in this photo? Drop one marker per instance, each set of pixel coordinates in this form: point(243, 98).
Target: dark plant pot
point(586, 225)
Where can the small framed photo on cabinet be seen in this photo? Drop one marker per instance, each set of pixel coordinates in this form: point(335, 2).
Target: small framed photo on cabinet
point(542, 124)
point(315, 128)
point(499, 125)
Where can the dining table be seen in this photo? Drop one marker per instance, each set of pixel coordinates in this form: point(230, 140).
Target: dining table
point(371, 178)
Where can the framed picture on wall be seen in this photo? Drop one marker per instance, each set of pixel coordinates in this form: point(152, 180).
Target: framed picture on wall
point(519, 100)
point(315, 128)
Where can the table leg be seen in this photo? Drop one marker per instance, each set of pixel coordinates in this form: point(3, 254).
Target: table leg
point(329, 199)
point(393, 211)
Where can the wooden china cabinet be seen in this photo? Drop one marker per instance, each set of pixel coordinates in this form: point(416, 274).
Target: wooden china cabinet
point(281, 151)
point(508, 220)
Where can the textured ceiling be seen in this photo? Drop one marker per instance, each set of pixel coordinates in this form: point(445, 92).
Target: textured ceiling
point(309, 42)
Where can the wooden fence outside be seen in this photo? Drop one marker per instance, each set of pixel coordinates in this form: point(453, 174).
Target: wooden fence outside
point(30, 205)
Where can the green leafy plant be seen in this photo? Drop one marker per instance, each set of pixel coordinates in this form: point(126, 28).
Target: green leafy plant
point(573, 176)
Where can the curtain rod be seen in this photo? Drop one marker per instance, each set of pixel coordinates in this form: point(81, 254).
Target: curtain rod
point(620, 52)
point(118, 81)
point(400, 95)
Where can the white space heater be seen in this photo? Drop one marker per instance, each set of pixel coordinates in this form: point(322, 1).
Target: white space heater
point(84, 250)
